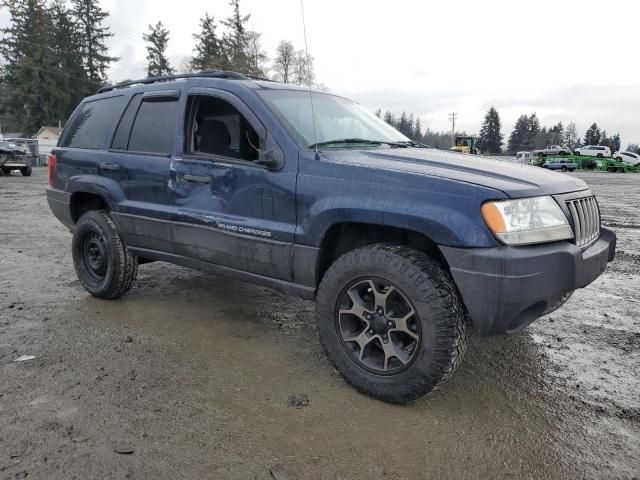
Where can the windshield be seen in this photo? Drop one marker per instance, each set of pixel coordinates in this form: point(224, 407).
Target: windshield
point(336, 119)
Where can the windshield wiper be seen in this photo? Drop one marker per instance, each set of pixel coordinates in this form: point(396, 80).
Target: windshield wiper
point(409, 143)
point(341, 141)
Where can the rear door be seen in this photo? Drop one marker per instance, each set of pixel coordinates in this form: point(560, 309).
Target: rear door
point(144, 147)
point(234, 210)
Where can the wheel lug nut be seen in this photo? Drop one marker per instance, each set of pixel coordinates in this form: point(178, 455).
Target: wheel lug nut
point(390, 323)
point(371, 331)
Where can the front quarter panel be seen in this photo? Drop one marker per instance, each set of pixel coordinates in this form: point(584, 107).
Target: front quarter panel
point(444, 210)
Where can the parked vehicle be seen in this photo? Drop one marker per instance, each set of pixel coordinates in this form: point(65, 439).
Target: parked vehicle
point(14, 157)
point(593, 151)
point(560, 164)
point(526, 157)
point(404, 249)
point(466, 144)
point(552, 150)
point(627, 157)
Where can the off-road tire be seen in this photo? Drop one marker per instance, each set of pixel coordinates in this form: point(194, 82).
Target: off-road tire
point(121, 266)
point(26, 171)
point(441, 313)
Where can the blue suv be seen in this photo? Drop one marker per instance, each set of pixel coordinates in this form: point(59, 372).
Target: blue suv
point(405, 249)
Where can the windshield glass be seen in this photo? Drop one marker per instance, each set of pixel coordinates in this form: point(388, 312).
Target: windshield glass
point(336, 118)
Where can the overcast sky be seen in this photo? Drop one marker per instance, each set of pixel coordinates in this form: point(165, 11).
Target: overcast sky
point(566, 60)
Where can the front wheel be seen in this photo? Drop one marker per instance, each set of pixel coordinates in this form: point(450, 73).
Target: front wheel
point(26, 171)
point(104, 265)
point(391, 321)
point(564, 169)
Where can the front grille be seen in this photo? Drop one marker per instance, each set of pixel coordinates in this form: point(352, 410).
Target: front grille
point(586, 220)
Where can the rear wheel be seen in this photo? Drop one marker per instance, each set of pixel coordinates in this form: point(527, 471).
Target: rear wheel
point(104, 265)
point(391, 321)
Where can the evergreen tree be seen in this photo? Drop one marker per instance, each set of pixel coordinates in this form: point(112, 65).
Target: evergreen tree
point(615, 143)
point(389, 118)
point(403, 125)
point(65, 40)
point(534, 127)
point(30, 73)
point(605, 141)
point(236, 40)
point(417, 130)
point(256, 56)
point(592, 136)
point(490, 139)
point(209, 50)
point(526, 134)
point(158, 39)
point(570, 138)
point(556, 134)
point(518, 140)
point(92, 37)
point(379, 113)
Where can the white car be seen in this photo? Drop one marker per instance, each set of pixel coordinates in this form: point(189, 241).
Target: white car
point(551, 150)
point(593, 151)
point(627, 157)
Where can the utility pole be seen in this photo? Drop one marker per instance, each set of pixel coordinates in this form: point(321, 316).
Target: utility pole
point(452, 117)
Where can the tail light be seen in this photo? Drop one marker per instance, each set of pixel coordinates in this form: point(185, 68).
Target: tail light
point(51, 166)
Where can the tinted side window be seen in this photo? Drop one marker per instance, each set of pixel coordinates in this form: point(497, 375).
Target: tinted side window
point(92, 124)
point(154, 127)
point(121, 137)
point(218, 128)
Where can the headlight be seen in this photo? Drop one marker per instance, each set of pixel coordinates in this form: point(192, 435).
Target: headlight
point(526, 221)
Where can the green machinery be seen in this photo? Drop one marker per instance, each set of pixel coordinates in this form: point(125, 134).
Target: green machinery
point(593, 163)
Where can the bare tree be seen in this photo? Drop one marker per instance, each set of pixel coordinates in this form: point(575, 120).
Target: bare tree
point(303, 68)
point(284, 62)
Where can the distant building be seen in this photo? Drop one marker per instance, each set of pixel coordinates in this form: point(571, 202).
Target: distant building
point(47, 140)
point(48, 134)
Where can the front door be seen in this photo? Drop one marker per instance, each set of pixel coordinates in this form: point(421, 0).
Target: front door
point(234, 192)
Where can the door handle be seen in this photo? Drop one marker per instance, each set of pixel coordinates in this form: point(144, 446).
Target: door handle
point(110, 166)
point(196, 178)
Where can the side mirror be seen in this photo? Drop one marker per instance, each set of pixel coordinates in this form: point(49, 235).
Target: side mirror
point(270, 160)
point(271, 157)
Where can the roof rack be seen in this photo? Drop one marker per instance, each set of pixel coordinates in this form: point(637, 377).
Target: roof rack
point(168, 78)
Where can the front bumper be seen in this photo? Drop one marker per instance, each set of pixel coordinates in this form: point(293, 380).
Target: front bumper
point(507, 288)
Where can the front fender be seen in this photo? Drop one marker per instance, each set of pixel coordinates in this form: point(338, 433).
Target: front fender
point(449, 226)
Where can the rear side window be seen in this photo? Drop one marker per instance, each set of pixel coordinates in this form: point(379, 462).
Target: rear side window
point(93, 123)
point(121, 137)
point(153, 130)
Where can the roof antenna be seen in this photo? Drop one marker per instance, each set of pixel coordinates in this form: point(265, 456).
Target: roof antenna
point(313, 113)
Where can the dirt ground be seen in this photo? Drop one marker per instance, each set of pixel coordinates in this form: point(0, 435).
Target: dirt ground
point(195, 376)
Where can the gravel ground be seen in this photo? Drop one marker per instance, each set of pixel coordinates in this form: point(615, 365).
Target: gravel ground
point(195, 376)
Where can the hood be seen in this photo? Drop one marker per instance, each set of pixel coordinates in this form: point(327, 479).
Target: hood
point(514, 179)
